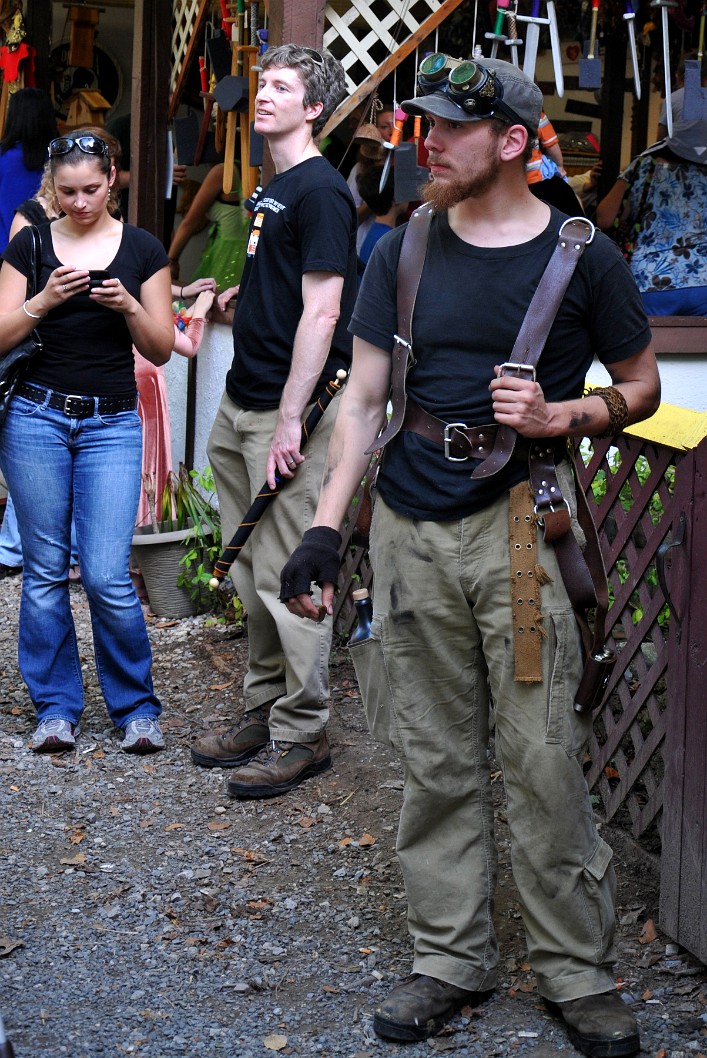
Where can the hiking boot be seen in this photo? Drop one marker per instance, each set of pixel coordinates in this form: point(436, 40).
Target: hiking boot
point(54, 736)
point(279, 767)
point(238, 744)
point(600, 1026)
point(142, 735)
point(420, 1006)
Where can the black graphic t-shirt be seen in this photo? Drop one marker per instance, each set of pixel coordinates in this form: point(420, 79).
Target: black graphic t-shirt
point(303, 221)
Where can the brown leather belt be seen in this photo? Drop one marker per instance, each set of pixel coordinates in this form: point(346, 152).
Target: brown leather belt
point(462, 442)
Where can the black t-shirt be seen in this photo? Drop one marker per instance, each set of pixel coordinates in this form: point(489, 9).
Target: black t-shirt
point(88, 349)
point(469, 309)
point(304, 221)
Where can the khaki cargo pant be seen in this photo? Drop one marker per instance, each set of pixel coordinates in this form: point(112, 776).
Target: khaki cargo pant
point(287, 658)
point(442, 636)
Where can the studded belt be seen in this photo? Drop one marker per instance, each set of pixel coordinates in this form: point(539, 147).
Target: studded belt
point(77, 407)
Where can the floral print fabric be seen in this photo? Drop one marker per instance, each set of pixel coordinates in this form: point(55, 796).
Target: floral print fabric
point(671, 246)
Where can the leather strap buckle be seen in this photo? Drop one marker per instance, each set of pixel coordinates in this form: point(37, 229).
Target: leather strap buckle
point(449, 441)
point(511, 368)
point(74, 412)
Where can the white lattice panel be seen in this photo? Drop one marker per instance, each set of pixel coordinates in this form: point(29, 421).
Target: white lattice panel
point(358, 29)
point(184, 17)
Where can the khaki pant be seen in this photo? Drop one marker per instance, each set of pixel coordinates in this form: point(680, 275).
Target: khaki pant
point(442, 636)
point(287, 658)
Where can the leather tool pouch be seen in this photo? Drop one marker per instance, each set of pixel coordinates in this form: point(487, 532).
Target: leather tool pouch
point(595, 679)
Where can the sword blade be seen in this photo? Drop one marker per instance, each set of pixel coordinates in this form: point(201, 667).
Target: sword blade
point(532, 35)
point(555, 48)
point(666, 69)
point(631, 26)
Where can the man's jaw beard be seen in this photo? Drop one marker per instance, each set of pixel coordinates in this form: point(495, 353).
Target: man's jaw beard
point(444, 196)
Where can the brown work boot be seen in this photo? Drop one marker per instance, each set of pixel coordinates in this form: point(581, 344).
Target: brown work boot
point(237, 745)
point(420, 1006)
point(279, 767)
point(600, 1026)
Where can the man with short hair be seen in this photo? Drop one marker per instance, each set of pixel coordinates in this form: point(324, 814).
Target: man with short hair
point(290, 338)
point(451, 616)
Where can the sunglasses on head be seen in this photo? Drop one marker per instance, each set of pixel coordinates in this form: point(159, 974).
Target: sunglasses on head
point(87, 144)
point(315, 56)
point(468, 85)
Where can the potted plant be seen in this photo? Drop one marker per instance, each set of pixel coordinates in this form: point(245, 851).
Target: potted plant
point(175, 553)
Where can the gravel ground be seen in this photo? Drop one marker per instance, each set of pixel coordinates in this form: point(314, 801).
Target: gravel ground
point(144, 913)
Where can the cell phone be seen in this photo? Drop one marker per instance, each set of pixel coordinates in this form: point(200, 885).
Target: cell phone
point(96, 277)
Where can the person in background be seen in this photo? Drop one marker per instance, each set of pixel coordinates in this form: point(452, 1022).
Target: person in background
point(386, 212)
point(29, 127)
point(289, 339)
point(659, 202)
point(224, 255)
point(690, 131)
point(369, 154)
point(446, 551)
point(546, 174)
point(72, 443)
point(153, 406)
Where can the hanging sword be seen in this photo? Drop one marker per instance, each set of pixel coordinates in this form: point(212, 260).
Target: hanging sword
point(630, 20)
point(664, 5)
point(498, 36)
point(535, 21)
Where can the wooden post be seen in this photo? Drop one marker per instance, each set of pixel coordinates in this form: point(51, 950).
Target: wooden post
point(300, 22)
point(613, 87)
point(683, 883)
point(148, 127)
point(38, 22)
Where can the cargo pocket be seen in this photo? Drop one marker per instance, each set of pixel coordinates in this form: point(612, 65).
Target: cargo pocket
point(564, 726)
point(600, 896)
point(374, 684)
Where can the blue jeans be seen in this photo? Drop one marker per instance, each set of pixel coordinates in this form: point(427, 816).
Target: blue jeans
point(10, 543)
point(53, 466)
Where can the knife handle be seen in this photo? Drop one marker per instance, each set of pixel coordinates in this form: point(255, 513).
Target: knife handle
point(535, 9)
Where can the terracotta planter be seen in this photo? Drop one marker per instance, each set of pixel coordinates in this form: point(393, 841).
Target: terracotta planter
point(157, 556)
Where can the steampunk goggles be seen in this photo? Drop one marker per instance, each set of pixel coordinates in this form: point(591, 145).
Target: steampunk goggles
point(469, 85)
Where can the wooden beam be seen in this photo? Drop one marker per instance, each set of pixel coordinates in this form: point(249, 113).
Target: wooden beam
point(301, 22)
point(406, 48)
point(148, 126)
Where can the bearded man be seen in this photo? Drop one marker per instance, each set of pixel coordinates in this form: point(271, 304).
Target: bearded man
point(447, 541)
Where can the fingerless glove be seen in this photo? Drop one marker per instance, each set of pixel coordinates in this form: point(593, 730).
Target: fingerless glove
point(316, 559)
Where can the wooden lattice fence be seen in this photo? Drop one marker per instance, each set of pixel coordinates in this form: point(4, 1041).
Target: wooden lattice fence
point(630, 485)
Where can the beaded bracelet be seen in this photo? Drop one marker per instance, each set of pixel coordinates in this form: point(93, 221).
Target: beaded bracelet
point(33, 315)
point(616, 406)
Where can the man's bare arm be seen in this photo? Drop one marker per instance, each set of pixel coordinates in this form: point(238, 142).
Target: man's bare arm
point(321, 294)
point(361, 415)
point(521, 403)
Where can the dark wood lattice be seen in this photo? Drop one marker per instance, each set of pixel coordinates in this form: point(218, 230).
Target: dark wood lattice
point(630, 485)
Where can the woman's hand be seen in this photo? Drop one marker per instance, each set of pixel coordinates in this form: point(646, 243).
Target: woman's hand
point(63, 283)
point(113, 295)
point(192, 290)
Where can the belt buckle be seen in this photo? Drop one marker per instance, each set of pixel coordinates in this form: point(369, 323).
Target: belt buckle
point(510, 368)
point(448, 426)
point(68, 409)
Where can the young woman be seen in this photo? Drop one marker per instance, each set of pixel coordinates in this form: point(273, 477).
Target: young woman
point(72, 443)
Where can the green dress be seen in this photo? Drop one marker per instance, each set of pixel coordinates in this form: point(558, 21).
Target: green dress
point(224, 255)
